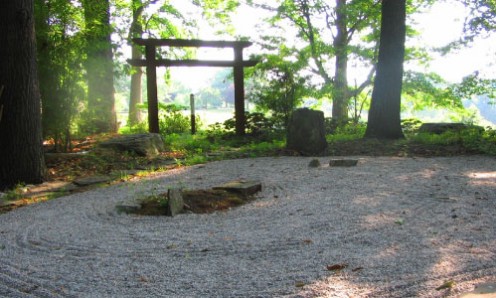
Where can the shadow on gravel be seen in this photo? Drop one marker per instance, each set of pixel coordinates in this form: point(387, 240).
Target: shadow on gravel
point(434, 238)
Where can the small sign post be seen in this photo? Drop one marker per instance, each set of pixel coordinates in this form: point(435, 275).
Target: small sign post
point(193, 117)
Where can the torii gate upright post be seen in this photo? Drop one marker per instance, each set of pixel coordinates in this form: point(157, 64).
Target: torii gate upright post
point(151, 88)
point(239, 91)
point(151, 62)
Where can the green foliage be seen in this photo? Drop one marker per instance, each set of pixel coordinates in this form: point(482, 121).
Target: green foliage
point(60, 68)
point(473, 139)
point(218, 13)
point(422, 90)
point(190, 144)
point(257, 149)
point(278, 87)
point(172, 120)
point(474, 85)
point(135, 129)
point(257, 124)
point(347, 132)
point(410, 125)
point(258, 128)
point(482, 18)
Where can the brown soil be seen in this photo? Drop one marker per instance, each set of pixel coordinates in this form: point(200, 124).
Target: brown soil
point(195, 201)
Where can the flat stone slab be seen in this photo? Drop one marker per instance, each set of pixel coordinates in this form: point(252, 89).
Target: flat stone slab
point(485, 290)
point(128, 207)
point(241, 186)
point(87, 181)
point(343, 162)
point(145, 144)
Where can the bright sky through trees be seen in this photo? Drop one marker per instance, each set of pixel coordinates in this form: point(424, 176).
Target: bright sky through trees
point(441, 24)
point(444, 24)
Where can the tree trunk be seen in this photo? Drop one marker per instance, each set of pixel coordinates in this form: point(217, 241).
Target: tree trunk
point(136, 31)
point(384, 116)
point(21, 151)
point(340, 90)
point(99, 67)
point(135, 116)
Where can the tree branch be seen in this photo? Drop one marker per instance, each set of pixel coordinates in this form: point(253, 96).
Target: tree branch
point(365, 83)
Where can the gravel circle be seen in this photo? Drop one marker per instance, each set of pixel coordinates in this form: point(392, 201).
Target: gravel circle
point(401, 226)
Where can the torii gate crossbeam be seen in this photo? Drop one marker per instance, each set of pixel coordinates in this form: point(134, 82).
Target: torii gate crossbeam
point(151, 63)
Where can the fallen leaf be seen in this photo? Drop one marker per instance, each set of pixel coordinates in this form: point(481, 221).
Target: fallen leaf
point(400, 221)
point(336, 267)
point(307, 241)
point(447, 285)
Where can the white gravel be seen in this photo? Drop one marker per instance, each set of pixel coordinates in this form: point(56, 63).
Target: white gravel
point(403, 226)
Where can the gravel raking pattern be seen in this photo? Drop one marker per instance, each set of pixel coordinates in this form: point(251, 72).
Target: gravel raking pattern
point(400, 226)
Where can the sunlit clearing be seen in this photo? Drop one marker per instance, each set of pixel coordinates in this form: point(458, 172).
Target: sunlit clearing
point(483, 175)
point(483, 178)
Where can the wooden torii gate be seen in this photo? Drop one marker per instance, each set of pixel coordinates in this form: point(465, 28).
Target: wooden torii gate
point(151, 63)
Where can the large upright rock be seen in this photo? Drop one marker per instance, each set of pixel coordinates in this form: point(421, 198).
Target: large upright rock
point(144, 144)
point(306, 133)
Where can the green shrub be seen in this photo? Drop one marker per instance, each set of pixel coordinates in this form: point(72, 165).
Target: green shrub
point(141, 127)
point(172, 120)
point(410, 125)
point(347, 132)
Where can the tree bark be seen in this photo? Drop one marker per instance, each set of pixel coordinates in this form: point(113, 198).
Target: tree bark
point(341, 94)
point(384, 120)
point(99, 67)
point(21, 150)
point(136, 31)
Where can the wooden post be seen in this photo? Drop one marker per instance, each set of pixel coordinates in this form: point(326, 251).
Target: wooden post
point(151, 63)
point(239, 91)
point(193, 117)
point(151, 86)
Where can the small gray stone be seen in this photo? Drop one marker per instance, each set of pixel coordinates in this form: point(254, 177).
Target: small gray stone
point(343, 162)
point(175, 203)
point(91, 180)
point(314, 163)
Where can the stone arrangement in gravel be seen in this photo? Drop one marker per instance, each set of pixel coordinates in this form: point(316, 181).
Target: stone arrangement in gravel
point(175, 201)
point(380, 229)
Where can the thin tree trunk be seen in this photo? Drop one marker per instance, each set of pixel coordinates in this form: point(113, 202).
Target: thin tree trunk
point(99, 66)
point(21, 150)
point(135, 116)
point(136, 31)
point(340, 90)
point(384, 116)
